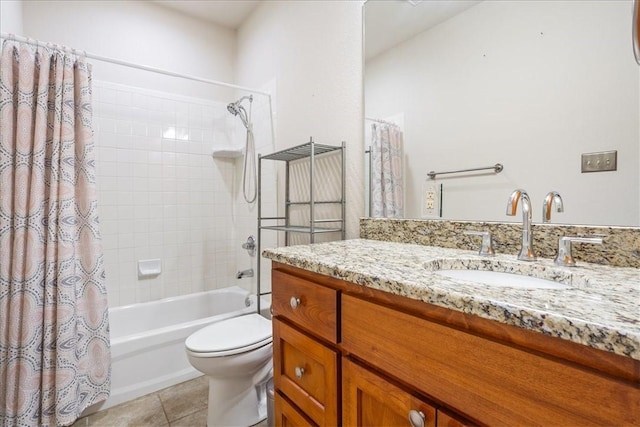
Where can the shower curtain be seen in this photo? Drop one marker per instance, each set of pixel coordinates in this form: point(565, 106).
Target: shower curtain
point(54, 342)
point(387, 186)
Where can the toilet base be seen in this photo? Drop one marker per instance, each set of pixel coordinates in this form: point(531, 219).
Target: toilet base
point(237, 402)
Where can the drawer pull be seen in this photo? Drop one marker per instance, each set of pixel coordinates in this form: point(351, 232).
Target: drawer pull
point(299, 372)
point(295, 302)
point(416, 418)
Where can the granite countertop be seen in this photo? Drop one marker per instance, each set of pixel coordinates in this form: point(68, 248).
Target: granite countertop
point(600, 309)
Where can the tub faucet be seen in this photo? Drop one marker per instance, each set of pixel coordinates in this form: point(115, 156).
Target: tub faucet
point(526, 250)
point(244, 273)
point(553, 197)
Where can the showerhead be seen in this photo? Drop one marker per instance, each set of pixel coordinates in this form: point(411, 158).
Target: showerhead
point(233, 108)
point(238, 110)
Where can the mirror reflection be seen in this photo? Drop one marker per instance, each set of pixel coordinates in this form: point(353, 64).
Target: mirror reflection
point(532, 85)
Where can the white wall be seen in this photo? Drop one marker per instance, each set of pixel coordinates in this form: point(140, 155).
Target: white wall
point(313, 50)
point(142, 33)
point(11, 16)
point(502, 82)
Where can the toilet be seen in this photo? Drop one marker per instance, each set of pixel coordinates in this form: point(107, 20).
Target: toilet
point(236, 355)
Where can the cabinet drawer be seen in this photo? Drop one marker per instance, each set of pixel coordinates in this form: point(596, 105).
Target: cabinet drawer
point(306, 372)
point(446, 420)
point(286, 415)
point(311, 306)
point(488, 381)
point(371, 400)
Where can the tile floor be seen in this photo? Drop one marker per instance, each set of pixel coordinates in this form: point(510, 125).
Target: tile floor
point(182, 405)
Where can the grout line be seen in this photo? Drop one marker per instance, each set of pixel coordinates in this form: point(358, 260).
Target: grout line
point(164, 411)
point(188, 415)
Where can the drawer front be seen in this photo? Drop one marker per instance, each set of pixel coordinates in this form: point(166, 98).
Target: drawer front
point(488, 381)
point(286, 415)
point(446, 420)
point(371, 400)
point(306, 372)
point(311, 306)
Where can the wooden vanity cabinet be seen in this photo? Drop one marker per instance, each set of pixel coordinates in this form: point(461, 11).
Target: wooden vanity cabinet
point(389, 355)
point(487, 380)
point(306, 360)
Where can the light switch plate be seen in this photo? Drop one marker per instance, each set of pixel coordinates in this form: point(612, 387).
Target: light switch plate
point(600, 162)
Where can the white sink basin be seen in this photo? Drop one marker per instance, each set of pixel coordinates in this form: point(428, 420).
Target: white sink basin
point(497, 278)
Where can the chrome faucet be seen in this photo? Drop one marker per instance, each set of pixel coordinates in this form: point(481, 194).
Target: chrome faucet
point(526, 251)
point(553, 197)
point(244, 273)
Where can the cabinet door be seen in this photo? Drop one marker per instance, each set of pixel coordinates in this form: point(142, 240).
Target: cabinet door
point(370, 400)
point(288, 416)
point(306, 372)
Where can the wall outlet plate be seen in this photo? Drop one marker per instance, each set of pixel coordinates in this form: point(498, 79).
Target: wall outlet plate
point(430, 199)
point(600, 162)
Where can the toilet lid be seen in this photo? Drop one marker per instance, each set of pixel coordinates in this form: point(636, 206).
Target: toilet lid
point(230, 334)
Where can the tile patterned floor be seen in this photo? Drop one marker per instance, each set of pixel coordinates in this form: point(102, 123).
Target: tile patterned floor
point(183, 405)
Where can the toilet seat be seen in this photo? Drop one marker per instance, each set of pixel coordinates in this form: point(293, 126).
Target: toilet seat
point(232, 336)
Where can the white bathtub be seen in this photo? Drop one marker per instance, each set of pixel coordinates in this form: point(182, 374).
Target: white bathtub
point(147, 339)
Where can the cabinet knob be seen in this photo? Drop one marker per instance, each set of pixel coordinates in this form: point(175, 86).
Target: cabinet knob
point(295, 302)
point(299, 372)
point(416, 418)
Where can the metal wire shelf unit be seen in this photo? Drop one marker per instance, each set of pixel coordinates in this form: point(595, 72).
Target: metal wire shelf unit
point(310, 151)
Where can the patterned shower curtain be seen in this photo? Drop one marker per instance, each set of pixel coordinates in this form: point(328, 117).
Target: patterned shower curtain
point(387, 186)
point(54, 338)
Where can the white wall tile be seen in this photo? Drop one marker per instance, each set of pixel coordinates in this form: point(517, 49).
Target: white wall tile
point(139, 129)
point(108, 96)
point(155, 157)
point(123, 127)
point(140, 100)
point(125, 225)
point(123, 97)
point(161, 195)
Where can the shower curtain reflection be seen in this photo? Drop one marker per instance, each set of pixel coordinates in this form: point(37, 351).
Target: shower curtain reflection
point(54, 342)
point(387, 186)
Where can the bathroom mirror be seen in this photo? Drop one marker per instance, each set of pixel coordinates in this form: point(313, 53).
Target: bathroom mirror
point(532, 85)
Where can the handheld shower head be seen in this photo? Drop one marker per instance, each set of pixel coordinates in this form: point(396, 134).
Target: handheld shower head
point(250, 150)
point(233, 108)
point(238, 110)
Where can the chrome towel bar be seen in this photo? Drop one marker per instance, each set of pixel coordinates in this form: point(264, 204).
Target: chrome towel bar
point(497, 168)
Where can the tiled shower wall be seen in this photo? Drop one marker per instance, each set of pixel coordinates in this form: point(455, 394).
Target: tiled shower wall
point(162, 195)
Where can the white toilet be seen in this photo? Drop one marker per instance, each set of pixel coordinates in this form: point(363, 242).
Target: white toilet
point(237, 357)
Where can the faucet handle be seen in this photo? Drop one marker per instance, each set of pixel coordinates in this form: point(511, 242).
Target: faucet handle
point(487, 242)
point(564, 257)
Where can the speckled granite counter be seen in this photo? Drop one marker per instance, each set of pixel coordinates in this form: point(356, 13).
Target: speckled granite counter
point(601, 309)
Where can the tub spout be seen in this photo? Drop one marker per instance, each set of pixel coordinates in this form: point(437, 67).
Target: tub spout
point(244, 273)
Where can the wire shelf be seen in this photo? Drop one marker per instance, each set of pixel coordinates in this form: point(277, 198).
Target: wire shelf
point(300, 152)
